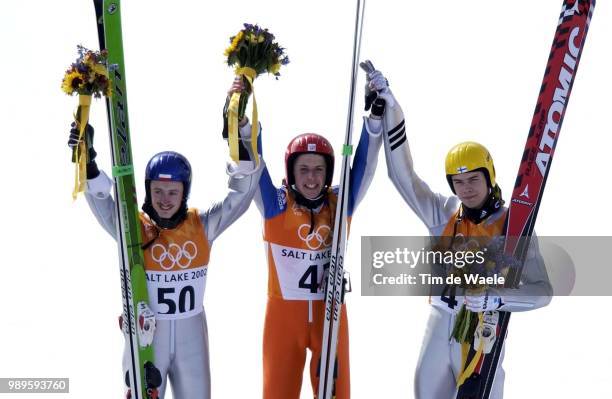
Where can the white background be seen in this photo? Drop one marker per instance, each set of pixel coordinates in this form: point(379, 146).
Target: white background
point(461, 71)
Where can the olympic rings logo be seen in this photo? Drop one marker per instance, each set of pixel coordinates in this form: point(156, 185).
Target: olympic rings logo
point(319, 238)
point(174, 255)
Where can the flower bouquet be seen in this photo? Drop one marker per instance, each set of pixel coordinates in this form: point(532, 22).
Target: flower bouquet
point(252, 51)
point(491, 262)
point(87, 77)
point(495, 263)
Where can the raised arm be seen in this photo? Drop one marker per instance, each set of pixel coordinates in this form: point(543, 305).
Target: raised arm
point(243, 183)
point(432, 208)
point(266, 195)
point(99, 185)
point(101, 203)
point(364, 164)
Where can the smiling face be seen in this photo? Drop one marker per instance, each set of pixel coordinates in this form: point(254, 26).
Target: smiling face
point(166, 197)
point(471, 188)
point(309, 171)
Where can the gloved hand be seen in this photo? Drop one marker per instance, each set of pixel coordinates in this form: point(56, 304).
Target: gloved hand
point(73, 143)
point(244, 134)
point(482, 303)
point(239, 85)
point(377, 82)
point(377, 93)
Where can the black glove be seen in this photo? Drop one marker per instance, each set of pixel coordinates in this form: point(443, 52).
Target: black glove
point(380, 85)
point(378, 107)
point(73, 143)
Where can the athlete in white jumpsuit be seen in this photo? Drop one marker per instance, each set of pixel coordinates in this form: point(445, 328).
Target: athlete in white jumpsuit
point(181, 339)
point(440, 358)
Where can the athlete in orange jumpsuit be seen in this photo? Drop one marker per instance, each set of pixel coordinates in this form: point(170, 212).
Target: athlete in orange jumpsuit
point(298, 228)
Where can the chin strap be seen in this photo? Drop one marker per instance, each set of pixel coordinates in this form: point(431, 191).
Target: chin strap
point(311, 204)
point(160, 222)
point(493, 204)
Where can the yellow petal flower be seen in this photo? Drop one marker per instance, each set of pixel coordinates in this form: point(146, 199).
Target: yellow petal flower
point(275, 68)
point(100, 69)
point(67, 83)
point(234, 45)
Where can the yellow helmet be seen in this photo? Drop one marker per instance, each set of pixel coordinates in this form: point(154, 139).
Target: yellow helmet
point(469, 157)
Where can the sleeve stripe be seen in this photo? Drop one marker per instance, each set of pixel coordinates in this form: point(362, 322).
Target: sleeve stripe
point(397, 135)
point(395, 129)
point(399, 142)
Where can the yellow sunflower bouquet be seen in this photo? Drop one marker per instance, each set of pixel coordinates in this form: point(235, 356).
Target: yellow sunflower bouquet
point(252, 51)
point(87, 77)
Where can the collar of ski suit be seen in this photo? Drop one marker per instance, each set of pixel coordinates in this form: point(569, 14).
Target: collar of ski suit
point(164, 223)
point(312, 204)
point(492, 205)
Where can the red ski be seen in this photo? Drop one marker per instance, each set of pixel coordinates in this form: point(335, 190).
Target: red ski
point(533, 171)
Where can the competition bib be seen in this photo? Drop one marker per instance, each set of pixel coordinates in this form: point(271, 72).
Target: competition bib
point(300, 271)
point(176, 294)
point(176, 265)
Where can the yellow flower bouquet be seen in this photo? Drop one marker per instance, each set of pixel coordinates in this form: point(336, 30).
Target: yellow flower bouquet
point(252, 51)
point(87, 77)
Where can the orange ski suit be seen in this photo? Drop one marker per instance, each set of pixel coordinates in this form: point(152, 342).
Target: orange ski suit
point(298, 246)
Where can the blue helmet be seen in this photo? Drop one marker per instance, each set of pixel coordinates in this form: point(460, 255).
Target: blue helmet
point(169, 166)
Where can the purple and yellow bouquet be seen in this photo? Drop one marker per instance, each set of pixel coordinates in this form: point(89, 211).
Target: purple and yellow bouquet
point(252, 51)
point(87, 77)
point(467, 323)
point(495, 263)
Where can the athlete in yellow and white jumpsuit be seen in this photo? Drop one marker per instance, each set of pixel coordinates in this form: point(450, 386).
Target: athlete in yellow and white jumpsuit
point(440, 359)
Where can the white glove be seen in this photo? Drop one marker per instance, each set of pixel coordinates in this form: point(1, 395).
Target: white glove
point(482, 303)
point(377, 83)
point(380, 84)
point(146, 324)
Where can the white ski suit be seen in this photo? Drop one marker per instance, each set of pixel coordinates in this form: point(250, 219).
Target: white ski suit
point(181, 337)
point(440, 358)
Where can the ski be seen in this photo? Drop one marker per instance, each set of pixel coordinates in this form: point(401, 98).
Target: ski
point(143, 377)
point(535, 165)
point(335, 287)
